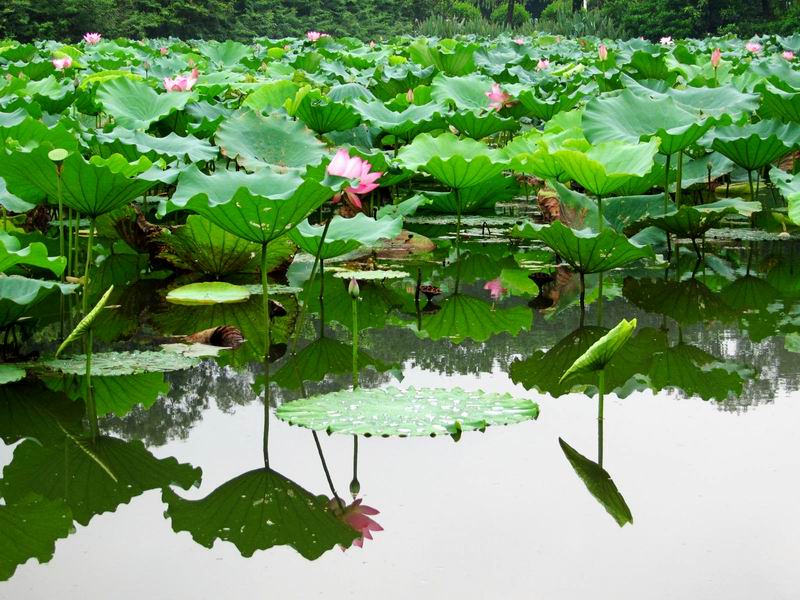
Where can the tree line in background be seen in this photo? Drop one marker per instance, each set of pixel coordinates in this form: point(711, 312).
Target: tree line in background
point(68, 20)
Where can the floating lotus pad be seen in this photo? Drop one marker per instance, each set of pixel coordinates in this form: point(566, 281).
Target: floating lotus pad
point(344, 235)
point(10, 373)
point(123, 363)
point(208, 292)
point(371, 275)
point(409, 412)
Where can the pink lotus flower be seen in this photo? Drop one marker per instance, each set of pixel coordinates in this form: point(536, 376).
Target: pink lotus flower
point(666, 41)
point(498, 98)
point(354, 167)
point(496, 289)
point(716, 56)
point(753, 47)
point(602, 52)
point(410, 96)
point(519, 41)
point(788, 55)
point(313, 36)
point(62, 63)
point(372, 44)
point(356, 516)
point(543, 64)
point(164, 51)
point(181, 83)
point(92, 38)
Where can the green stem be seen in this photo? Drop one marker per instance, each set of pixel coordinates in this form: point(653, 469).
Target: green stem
point(601, 390)
point(355, 343)
point(91, 408)
point(304, 307)
point(600, 300)
point(60, 218)
point(458, 238)
point(85, 308)
point(69, 241)
point(679, 180)
point(599, 213)
point(5, 219)
point(267, 332)
point(666, 200)
point(355, 486)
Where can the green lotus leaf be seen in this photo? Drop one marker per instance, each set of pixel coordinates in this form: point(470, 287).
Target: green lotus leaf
point(455, 163)
point(694, 221)
point(18, 295)
point(91, 478)
point(407, 412)
point(322, 114)
point(34, 254)
point(479, 125)
point(271, 96)
point(135, 105)
point(631, 118)
point(258, 510)
point(30, 133)
point(408, 123)
point(201, 246)
point(258, 207)
point(462, 317)
point(30, 529)
point(123, 363)
point(133, 143)
point(11, 202)
point(476, 199)
point(585, 250)
point(256, 141)
point(607, 166)
point(10, 373)
point(322, 358)
point(755, 145)
point(789, 186)
point(778, 103)
point(225, 54)
point(532, 153)
point(545, 108)
point(600, 353)
point(448, 56)
point(208, 292)
point(467, 93)
point(85, 324)
point(345, 235)
point(599, 484)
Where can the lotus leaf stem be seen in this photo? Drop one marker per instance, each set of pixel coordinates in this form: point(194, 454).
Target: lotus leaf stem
point(601, 387)
point(267, 327)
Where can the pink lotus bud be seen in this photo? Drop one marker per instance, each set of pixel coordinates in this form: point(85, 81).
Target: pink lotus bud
point(788, 55)
point(716, 56)
point(164, 51)
point(602, 52)
point(410, 96)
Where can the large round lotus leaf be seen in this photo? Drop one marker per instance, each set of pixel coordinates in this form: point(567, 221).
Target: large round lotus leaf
point(93, 187)
point(789, 186)
point(532, 153)
point(133, 143)
point(256, 141)
point(476, 199)
point(631, 117)
point(123, 363)
point(694, 221)
point(257, 510)
point(35, 255)
point(258, 207)
point(19, 294)
point(585, 250)
point(755, 145)
point(479, 125)
point(135, 105)
point(376, 275)
point(448, 56)
point(778, 103)
point(225, 54)
point(608, 166)
point(406, 124)
point(545, 108)
point(323, 114)
point(409, 412)
point(464, 93)
point(208, 292)
point(344, 235)
point(454, 162)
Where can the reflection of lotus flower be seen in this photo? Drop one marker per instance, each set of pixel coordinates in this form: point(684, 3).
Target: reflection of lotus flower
point(313, 36)
point(716, 56)
point(788, 55)
point(602, 52)
point(495, 287)
point(164, 51)
point(354, 167)
point(666, 41)
point(92, 38)
point(357, 516)
point(62, 63)
point(753, 47)
point(543, 64)
point(498, 98)
point(181, 83)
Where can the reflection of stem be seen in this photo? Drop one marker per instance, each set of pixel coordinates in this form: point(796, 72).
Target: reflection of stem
point(325, 468)
point(601, 390)
point(321, 296)
point(666, 202)
point(458, 237)
point(304, 307)
point(86, 269)
point(749, 256)
point(91, 408)
point(583, 293)
point(267, 332)
point(355, 486)
point(355, 343)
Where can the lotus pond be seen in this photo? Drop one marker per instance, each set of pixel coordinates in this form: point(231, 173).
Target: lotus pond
point(314, 317)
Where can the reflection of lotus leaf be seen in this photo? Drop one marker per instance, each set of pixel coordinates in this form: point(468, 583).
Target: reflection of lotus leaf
point(408, 412)
point(258, 510)
point(464, 317)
